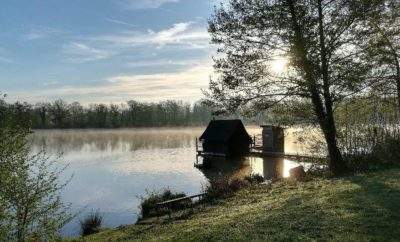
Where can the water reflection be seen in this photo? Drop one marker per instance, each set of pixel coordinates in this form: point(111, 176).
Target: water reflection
point(65, 141)
point(214, 167)
point(271, 168)
point(113, 168)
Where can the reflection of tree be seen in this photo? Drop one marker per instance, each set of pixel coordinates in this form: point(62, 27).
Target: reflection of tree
point(112, 140)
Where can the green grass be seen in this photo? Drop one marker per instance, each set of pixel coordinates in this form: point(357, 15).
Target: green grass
point(363, 207)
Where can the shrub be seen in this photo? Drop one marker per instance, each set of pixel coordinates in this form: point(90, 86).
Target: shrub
point(388, 150)
point(91, 224)
point(30, 190)
point(254, 178)
point(370, 143)
point(148, 205)
point(223, 187)
point(372, 147)
point(237, 184)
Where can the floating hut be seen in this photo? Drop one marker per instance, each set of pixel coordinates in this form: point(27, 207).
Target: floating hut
point(225, 138)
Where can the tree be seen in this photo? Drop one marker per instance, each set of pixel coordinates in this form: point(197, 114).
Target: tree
point(76, 115)
point(115, 119)
point(101, 113)
point(21, 113)
point(382, 46)
point(42, 111)
point(317, 39)
point(30, 203)
point(59, 112)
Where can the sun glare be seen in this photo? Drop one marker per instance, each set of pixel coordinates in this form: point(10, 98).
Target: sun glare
point(278, 65)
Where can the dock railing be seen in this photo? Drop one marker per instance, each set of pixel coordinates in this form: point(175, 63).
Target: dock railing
point(199, 146)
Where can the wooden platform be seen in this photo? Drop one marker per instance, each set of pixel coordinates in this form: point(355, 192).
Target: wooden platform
point(201, 153)
point(255, 150)
point(295, 156)
point(259, 153)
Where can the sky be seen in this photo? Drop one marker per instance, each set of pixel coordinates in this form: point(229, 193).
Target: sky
point(105, 51)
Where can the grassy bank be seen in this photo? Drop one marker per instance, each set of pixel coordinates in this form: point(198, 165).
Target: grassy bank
point(363, 207)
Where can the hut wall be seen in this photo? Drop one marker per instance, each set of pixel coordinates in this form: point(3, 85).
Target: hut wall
point(215, 147)
point(239, 144)
point(273, 139)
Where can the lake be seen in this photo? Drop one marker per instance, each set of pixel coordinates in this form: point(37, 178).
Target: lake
point(112, 169)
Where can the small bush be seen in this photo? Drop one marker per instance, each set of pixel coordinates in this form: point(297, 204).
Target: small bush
point(91, 224)
point(148, 206)
point(384, 151)
point(237, 184)
point(223, 187)
point(388, 150)
point(254, 178)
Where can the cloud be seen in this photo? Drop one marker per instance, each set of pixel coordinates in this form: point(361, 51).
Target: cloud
point(163, 62)
point(50, 83)
point(145, 4)
point(40, 32)
point(180, 36)
point(6, 60)
point(79, 53)
point(185, 34)
point(184, 85)
point(3, 58)
point(116, 21)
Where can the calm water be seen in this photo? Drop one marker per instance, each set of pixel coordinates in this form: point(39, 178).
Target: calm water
point(113, 168)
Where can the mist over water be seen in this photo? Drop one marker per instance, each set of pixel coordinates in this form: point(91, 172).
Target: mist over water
point(112, 169)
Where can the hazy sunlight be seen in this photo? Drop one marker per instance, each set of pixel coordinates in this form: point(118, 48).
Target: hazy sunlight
point(278, 65)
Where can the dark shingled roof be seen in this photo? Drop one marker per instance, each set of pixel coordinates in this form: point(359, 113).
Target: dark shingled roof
point(222, 130)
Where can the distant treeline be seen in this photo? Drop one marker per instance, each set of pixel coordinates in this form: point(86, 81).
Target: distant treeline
point(62, 115)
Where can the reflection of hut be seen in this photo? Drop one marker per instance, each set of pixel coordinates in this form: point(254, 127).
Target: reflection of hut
point(232, 168)
point(226, 137)
point(273, 167)
point(273, 139)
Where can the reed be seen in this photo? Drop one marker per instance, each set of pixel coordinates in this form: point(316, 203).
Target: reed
point(91, 224)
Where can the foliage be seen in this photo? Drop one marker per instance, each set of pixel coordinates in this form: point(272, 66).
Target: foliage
point(222, 187)
point(388, 151)
point(148, 205)
point(255, 178)
point(381, 41)
point(60, 114)
point(319, 42)
point(369, 132)
point(30, 202)
point(91, 224)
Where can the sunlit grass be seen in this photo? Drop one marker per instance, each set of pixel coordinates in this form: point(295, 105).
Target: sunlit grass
point(355, 208)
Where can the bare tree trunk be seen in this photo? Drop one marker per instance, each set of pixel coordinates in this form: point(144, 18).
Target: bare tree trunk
point(336, 162)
